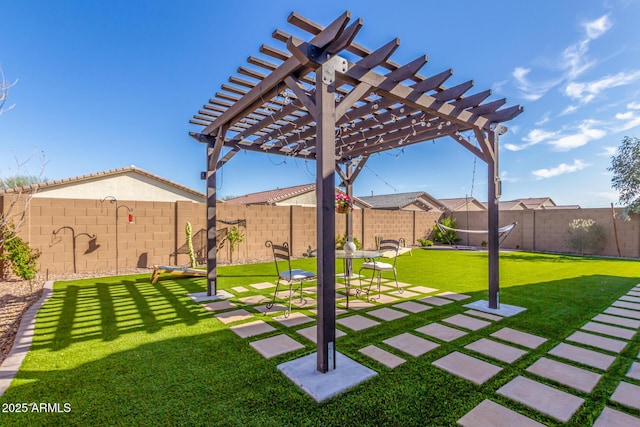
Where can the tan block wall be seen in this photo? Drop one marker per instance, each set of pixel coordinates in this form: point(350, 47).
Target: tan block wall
point(546, 230)
point(158, 232)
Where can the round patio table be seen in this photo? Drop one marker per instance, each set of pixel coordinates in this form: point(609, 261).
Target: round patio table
point(348, 259)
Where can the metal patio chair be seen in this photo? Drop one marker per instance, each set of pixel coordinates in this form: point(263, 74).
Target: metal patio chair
point(389, 248)
point(282, 253)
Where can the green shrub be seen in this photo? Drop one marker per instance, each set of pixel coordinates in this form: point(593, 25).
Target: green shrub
point(342, 239)
point(425, 242)
point(235, 237)
point(585, 236)
point(450, 235)
point(17, 253)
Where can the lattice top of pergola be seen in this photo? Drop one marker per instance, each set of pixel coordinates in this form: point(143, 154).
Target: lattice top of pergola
point(380, 105)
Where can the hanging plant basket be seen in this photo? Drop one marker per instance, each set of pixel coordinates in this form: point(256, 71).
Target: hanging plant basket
point(342, 209)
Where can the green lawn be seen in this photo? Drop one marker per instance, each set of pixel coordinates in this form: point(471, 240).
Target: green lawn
point(121, 351)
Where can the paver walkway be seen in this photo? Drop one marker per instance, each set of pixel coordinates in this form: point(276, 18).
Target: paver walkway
point(578, 364)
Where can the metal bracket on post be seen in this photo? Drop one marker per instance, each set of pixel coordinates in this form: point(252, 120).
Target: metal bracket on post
point(330, 67)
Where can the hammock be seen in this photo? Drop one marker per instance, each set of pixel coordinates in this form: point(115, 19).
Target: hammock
point(503, 232)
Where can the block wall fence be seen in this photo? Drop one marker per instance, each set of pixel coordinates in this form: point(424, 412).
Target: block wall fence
point(546, 230)
point(158, 236)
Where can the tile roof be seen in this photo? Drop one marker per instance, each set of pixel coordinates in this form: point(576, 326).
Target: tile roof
point(459, 202)
point(400, 200)
point(111, 172)
point(270, 197)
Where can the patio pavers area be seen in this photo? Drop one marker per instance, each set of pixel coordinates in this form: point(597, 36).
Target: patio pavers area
point(604, 334)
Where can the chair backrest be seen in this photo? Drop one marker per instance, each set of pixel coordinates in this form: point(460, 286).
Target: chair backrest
point(390, 247)
point(280, 252)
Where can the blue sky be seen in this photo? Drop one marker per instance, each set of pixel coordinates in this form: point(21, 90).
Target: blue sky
point(103, 85)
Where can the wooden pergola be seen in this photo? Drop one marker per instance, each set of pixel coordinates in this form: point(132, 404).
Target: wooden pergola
point(307, 101)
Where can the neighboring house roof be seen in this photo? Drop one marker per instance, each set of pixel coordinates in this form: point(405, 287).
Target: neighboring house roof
point(460, 203)
point(399, 201)
point(538, 202)
point(281, 195)
point(512, 205)
point(127, 183)
point(271, 197)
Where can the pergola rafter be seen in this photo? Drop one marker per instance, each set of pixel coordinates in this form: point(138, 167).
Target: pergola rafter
point(305, 100)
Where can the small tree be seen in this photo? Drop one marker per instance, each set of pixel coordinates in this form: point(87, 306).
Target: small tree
point(625, 166)
point(234, 237)
point(19, 256)
point(450, 235)
point(585, 235)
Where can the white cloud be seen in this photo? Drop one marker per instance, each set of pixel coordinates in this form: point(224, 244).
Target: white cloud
point(533, 137)
point(561, 169)
point(574, 59)
point(608, 151)
point(584, 134)
point(587, 91)
point(570, 109)
point(629, 120)
point(544, 119)
point(633, 105)
point(529, 90)
point(598, 27)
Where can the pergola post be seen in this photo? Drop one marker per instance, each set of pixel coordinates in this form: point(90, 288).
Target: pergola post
point(214, 147)
point(493, 221)
point(326, 222)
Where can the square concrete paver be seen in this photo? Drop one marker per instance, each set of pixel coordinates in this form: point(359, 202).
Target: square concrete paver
point(490, 414)
point(387, 314)
point(627, 395)
point(483, 315)
point(404, 294)
point(496, 350)
point(467, 322)
point(622, 312)
point(303, 372)
point(615, 320)
point(435, 301)
point(233, 316)
point(412, 306)
point(356, 304)
point(521, 338)
point(275, 346)
point(581, 355)
point(423, 289)
point(256, 299)
point(609, 344)
point(276, 308)
point(542, 398)
point(263, 285)
point(630, 298)
point(383, 298)
point(475, 370)
point(628, 305)
point(634, 371)
point(411, 344)
point(295, 318)
point(452, 295)
point(504, 310)
point(311, 333)
point(387, 359)
point(239, 289)
point(612, 418)
point(339, 311)
point(571, 376)
point(252, 329)
point(219, 305)
point(356, 322)
point(613, 331)
point(441, 332)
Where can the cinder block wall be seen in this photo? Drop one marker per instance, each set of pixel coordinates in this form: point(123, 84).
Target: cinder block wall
point(158, 232)
point(546, 230)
